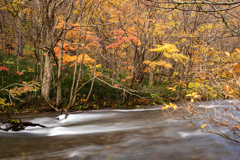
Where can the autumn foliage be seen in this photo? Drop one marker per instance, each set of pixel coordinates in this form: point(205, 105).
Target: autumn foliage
point(160, 51)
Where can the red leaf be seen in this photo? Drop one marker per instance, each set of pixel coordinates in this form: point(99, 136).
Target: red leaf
point(3, 68)
point(19, 73)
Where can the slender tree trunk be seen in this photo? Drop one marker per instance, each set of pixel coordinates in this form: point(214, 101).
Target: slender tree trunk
point(180, 83)
point(59, 76)
point(94, 75)
point(187, 74)
point(73, 91)
point(18, 48)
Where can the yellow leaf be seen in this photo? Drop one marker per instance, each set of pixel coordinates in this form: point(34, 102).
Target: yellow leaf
point(212, 49)
point(137, 106)
point(203, 126)
point(189, 106)
point(188, 95)
point(194, 93)
point(192, 100)
point(197, 97)
point(174, 106)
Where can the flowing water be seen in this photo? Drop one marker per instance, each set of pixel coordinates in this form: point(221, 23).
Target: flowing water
point(126, 134)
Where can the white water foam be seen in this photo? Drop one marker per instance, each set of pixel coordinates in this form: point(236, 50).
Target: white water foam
point(89, 129)
point(64, 127)
point(134, 110)
point(190, 134)
point(78, 130)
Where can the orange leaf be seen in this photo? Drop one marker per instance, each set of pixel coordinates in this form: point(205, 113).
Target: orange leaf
point(237, 69)
point(116, 85)
point(203, 126)
point(181, 83)
point(237, 127)
point(227, 88)
point(200, 79)
point(123, 80)
point(129, 77)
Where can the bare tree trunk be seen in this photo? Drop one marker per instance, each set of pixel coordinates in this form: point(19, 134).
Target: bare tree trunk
point(50, 21)
point(180, 83)
point(94, 75)
point(187, 73)
point(18, 48)
point(59, 76)
point(47, 76)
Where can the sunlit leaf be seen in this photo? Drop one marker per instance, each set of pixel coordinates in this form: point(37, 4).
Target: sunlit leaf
point(228, 54)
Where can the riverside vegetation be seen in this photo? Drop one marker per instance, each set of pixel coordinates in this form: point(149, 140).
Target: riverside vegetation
point(91, 54)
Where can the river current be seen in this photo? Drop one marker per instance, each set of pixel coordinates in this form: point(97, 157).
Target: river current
point(147, 133)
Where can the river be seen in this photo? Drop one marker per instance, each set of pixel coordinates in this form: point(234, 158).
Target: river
point(117, 134)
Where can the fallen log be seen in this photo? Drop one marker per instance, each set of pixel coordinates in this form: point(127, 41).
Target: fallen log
point(15, 124)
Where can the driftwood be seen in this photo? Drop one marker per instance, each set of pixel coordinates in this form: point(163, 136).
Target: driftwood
point(63, 115)
point(15, 124)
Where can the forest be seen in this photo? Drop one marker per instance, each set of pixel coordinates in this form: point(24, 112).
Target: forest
point(92, 54)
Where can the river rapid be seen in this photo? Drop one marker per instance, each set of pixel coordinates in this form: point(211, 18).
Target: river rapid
point(117, 134)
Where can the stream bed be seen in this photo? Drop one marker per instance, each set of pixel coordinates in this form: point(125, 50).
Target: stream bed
point(117, 134)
